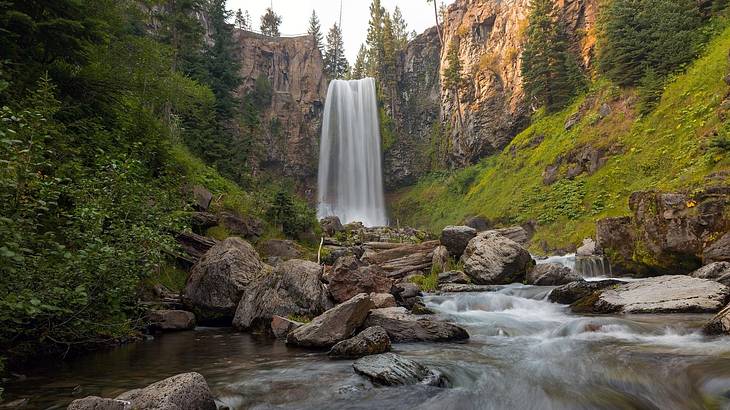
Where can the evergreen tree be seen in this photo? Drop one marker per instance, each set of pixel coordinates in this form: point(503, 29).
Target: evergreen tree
point(270, 23)
point(453, 78)
point(550, 72)
point(400, 29)
point(436, 16)
point(316, 31)
point(335, 62)
point(374, 39)
point(359, 70)
point(387, 71)
point(181, 29)
point(242, 21)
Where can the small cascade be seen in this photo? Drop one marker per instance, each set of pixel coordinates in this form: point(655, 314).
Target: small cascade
point(594, 266)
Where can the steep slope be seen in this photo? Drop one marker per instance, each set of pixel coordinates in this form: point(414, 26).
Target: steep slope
point(571, 168)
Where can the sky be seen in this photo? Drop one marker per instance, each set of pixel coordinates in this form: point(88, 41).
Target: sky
point(355, 14)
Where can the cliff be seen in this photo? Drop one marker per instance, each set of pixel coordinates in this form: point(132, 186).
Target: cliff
point(290, 123)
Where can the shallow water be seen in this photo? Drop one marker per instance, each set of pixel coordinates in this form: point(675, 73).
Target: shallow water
point(524, 353)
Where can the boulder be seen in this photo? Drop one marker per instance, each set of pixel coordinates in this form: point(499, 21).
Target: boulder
point(331, 225)
point(373, 340)
point(201, 221)
point(334, 325)
point(278, 250)
point(217, 282)
point(551, 274)
point(186, 391)
point(717, 271)
point(515, 233)
point(664, 294)
point(281, 326)
point(477, 222)
point(465, 287)
point(383, 300)
point(492, 259)
point(440, 259)
point(407, 294)
point(454, 276)
point(718, 251)
point(574, 291)
point(349, 276)
point(403, 326)
point(720, 324)
point(390, 369)
point(331, 254)
point(455, 239)
point(168, 319)
point(294, 288)
point(98, 403)
point(202, 197)
point(245, 226)
point(587, 249)
point(194, 245)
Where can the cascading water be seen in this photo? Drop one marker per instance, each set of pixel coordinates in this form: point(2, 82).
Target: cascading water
point(350, 182)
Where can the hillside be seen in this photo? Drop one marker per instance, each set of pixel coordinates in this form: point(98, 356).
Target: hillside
point(609, 152)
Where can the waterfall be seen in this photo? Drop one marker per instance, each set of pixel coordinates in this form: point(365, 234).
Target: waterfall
point(350, 181)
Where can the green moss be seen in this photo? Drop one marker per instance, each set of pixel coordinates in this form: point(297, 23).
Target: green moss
point(666, 149)
point(300, 319)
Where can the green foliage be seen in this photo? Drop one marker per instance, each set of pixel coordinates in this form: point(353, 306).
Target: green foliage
point(315, 30)
point(294, 218)
point(335, 62)
point(650, 90)
point(270, 23)
point(427, 283)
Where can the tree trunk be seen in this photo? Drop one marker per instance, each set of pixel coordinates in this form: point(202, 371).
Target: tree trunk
point(438, 28)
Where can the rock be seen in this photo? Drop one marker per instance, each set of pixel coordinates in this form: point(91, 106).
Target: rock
point(348, 277)
point(403, 326)
point(459, 287)
point(390, 369)
point(407, 294)
point(194, 245)
point(202, 198)
point(492, 259)
point(17, 404)
point(664, 294)
point(98, 403)
point(587, 249)
point(720, 324)
point(615, 236)
point(373, 340)
point(172, 319)
point(572, 120)
point(551, 274)
point(605, 110)
point(455, 239)
point(186, 391)
point(440, 259)
point(201, 221)
point(217, 282)
point(515, 233)
point(245, 226)
point(717, 271)
point(278, 250)
point(718, 251)
point(480, 224)
point(294, 288)
point(383, 300)
point(574, 291)
point(331, 225)
point(334, 325)
point(281, 326)
point(333, 253)
point(454, 276)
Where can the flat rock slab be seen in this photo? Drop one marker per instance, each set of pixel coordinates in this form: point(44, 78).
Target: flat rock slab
point(457, 287)
point(390, 369)
point(664, 294)
point(574, 291)
point(334, 325)
point(403, 326)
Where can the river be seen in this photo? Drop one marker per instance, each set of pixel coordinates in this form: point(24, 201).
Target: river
point(524, 353)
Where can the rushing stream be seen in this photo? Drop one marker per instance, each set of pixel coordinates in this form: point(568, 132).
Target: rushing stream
point(524, 353)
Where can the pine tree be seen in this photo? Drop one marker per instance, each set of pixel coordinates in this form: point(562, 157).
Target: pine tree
point(453, 78)
point(335, 62)
point(270, 23)
point(316, 31)
point(436, 15)
point(359, 70)
point(400, 29)
point(374, 39)
point(242, 22)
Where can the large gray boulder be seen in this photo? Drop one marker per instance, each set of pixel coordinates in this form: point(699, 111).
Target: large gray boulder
point(281, 326)
point(492, 259)
point(331, 225)
point(373, 340)
point(717, 271)
point(390, 369)
point(294, 288)
point(516, 233)
point(551, 274)
point(349, 277)
point(664, 294)
point(403, 326)
point(277, 250)
point(217, 282)
point(718, 251)
point(186, 391)
point(720, 324)
point(334, 325)
point(383, 300)
point(170, 319)
point(574, 291)
point(455, 238)
point(440, 259)
point(99, 403)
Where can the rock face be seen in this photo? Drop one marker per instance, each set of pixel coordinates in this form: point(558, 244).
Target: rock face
point(664, 294)
point(187, 391)
point(334, 325)
point(492, 259)
point(217, 282)
point(668, 233)
point(551, 274)
point(574, 291)
point(406, 327)
point(172, 319)
point(717, 271)
point(455, 239)
point(373, 340)
point(293, 288)
point(349, 277)
point(390, 369)
point(294, 70)
point(720, 324)
point(718, 251)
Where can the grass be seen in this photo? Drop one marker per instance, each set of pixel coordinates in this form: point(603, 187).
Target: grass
point(666, 149)
point(427, 283)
